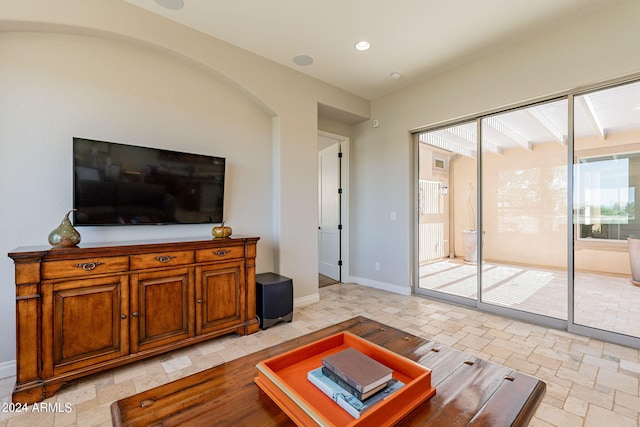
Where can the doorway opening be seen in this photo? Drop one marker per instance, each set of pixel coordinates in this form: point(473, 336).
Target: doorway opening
point(332, 208)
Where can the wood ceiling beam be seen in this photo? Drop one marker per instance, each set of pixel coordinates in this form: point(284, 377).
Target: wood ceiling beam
point(509, 133)
point(437, 141)
point(592, 115)
point(538, 117)
point(470, 137)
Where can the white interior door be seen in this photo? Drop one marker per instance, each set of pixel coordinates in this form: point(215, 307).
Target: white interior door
point(329, 211)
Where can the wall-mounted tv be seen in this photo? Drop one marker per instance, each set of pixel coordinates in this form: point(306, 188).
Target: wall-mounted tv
point(120, 184)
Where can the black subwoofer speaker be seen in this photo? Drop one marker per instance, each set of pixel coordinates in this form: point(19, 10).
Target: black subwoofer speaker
point(274, 299)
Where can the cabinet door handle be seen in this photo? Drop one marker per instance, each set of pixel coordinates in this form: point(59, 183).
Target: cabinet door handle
point(199, 301)
point(221, 252)
point(88, 266)
point(123, 316)
point(165, 258)
point(134, 314)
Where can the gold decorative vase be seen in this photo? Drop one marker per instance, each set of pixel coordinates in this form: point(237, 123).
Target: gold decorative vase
point(221, 231)
point(64, 235)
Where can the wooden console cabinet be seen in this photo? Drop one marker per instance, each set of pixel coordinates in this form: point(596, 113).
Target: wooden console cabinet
point(83, 310)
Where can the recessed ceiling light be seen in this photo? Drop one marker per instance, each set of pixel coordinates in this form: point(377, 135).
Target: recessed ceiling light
point(171, 4)
point(303, 60)
point(363, 45)
point(395, 75)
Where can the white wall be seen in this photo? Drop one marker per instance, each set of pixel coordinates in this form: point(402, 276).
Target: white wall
point(596, 48)
point(112, 71)
point(124, 93)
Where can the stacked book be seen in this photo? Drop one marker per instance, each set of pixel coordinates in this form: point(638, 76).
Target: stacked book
point(354, 380)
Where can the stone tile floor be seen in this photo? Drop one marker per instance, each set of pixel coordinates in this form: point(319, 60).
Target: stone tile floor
point(589, 382)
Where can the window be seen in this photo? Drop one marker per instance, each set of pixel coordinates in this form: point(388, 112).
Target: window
point(605, 189)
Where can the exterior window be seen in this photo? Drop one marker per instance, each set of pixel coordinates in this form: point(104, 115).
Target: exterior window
point(605, 193)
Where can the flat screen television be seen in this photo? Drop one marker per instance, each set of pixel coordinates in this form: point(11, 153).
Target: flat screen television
point(120, 184)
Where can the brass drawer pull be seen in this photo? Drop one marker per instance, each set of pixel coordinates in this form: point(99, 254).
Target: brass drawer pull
point(222, 252)
point(165, 258)
point(88, 266)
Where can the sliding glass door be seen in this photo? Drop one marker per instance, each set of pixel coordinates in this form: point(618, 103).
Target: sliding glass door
point(606, 216)
point(446, 212)
point(524, 209)
point(522, 196)
point(532, 212)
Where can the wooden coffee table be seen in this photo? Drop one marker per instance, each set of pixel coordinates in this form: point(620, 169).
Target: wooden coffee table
point(469, 390)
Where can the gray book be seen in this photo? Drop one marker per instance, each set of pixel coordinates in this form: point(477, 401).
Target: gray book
point(357, 369)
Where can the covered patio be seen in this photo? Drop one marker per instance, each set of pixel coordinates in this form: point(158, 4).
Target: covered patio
point(603, 301)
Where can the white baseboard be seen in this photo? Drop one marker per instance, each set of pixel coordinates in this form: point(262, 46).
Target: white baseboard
point(8, 369)
point(402, 290)
point(309, 299)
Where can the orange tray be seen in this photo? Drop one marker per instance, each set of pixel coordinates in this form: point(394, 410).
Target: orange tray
point(284, 379)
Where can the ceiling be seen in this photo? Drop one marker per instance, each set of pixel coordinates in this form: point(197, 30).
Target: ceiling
point(414, 38)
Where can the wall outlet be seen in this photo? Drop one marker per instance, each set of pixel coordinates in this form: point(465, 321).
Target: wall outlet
point(377, 266)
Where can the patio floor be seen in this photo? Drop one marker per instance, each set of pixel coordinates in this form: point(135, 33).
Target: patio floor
point(602, 301)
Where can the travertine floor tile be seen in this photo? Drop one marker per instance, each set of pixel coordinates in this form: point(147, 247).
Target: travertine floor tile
point(589, 382)
point(598, 417)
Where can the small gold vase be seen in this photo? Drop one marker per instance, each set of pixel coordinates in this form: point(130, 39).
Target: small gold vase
point(221, 232)
point(64, 235)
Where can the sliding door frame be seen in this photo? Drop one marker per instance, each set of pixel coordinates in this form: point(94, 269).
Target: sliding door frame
point(568, 324)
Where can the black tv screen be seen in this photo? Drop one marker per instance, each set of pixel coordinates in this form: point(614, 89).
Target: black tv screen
point(119, 184)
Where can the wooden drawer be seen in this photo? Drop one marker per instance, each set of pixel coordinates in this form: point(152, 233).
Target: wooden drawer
point(84, 267)
point(161, 259)
point(219, 254)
